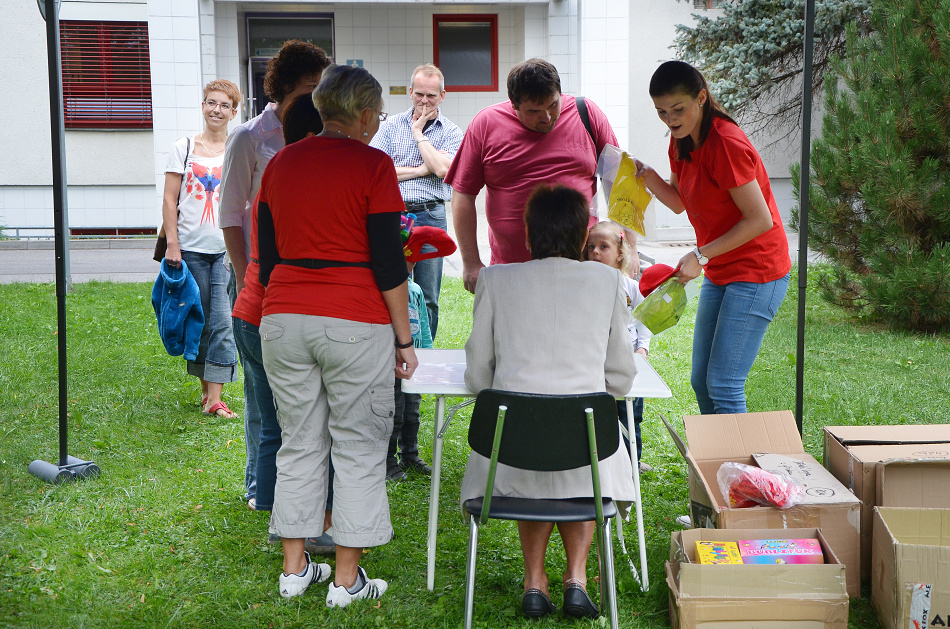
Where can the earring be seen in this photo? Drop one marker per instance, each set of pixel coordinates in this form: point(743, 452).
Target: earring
point(365, 134)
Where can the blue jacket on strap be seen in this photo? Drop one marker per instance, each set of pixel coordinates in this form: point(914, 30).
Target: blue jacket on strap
point(177, 305)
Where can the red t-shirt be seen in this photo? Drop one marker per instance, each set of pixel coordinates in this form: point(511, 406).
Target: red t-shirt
point(250, 302)
point(728, 160)
point(500, 153)
point(320, 191)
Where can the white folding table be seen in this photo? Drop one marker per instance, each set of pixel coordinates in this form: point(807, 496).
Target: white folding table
point(441, 373)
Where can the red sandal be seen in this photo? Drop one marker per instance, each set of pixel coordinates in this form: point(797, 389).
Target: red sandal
point(220, 406)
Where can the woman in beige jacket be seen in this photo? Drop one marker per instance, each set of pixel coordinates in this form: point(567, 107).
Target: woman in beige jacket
point(553, 325)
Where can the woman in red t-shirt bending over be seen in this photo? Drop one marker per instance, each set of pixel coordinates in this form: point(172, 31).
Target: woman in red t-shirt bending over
point(719, 180)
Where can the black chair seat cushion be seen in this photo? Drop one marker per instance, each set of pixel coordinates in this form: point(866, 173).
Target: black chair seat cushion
point(541, 510)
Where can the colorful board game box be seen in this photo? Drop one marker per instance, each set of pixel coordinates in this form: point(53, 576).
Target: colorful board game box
point(773, 551)
point(709, 552)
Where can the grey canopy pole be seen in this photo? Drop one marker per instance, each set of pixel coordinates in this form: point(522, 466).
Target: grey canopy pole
point(808, 46)
point(68, 468)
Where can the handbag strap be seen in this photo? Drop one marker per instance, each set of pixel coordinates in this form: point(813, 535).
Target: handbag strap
point(585, 118)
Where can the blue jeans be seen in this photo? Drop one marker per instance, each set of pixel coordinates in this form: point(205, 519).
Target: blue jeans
point(252, 413)
point(405, 436)
point(217, 356)
point(428, 273)
point(637, 420)
point(264, 477)
point(730, 324)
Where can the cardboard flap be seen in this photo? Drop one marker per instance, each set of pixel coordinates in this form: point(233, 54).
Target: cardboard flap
point(681, 446)
point(820, 486)
point(913, 483)
point(901, 451)
point(796, 582)
point(909, 433)
point(925, 527)
point(736, 436)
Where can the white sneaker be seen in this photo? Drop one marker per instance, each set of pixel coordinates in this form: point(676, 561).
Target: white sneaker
point(339, 596)
point(294, 584)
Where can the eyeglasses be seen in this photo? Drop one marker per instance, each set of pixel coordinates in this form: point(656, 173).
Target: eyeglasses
point(383, 115)
point(212, 104)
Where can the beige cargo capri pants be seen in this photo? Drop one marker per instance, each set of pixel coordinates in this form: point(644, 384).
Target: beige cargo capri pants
point(331, 378)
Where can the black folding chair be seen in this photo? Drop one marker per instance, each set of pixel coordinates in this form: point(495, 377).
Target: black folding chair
point(547, 433)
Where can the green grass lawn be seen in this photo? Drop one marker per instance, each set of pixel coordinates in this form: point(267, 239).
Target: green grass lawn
point(164, 538)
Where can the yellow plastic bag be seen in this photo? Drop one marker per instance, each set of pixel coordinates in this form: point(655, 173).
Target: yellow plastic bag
point(629, 198)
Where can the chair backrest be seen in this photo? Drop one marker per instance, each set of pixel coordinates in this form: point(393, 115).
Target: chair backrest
point(544, 432)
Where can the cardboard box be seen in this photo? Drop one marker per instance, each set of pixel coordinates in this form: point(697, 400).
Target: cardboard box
point(715, 439)
point(910, 561)
point(884, 467)
point(803, 596)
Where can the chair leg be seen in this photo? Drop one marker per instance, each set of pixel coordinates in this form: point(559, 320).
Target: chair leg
point(609, 576)
point(470, 570)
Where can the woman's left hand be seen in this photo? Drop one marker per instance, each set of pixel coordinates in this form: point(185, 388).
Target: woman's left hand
point(406, 362)
point(688, 268)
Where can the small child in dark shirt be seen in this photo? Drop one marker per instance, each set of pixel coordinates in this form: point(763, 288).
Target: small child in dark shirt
point(405, 435)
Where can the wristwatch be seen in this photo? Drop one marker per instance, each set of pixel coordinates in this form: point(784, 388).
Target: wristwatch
point(703, 260)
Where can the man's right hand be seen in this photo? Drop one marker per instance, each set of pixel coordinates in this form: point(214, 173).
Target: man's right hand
point(470, 275)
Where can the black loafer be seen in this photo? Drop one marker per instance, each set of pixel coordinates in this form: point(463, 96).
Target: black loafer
point(415, 464)
point(577, 603)
point(536, 604)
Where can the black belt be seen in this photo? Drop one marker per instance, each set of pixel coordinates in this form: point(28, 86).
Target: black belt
point(310, 263)
point(412, 206)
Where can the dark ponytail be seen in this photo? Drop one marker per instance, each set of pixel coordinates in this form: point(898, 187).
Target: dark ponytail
point(678, 77)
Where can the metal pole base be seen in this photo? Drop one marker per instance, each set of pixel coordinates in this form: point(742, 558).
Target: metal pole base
point(75, 469)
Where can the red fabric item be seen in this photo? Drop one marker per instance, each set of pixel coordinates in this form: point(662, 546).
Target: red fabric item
point(728, 160)
point(250, 301)
point(752, 486)
point(500, 153)
point(320, 191)
point(426, 235)
point(654, 276)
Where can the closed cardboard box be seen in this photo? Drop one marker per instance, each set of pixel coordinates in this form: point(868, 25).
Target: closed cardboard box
point(910, 567)
point(890, 466)
point(716, 439)
point(802, 596)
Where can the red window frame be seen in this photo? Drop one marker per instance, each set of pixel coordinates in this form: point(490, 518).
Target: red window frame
point(106, 75)
point(491, 19)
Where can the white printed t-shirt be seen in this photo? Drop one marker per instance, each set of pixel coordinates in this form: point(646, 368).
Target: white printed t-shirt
point(198, 228)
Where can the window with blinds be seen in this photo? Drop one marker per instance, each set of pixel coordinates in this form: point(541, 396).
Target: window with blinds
point(705, 4)
point(106, 78)
point(466, 50)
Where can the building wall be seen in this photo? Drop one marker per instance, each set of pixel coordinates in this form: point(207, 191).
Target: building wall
point(109, 173)
point(605, 50)
point(652, 29)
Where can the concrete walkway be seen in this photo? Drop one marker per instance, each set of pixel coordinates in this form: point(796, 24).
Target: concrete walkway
point(130, 260)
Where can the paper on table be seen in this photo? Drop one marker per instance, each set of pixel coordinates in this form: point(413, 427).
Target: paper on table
point(439, 373)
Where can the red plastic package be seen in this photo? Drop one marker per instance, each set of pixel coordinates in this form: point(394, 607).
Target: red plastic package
point(748, 486)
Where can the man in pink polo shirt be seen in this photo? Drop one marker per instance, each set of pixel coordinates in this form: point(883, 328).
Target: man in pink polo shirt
point(537, 136)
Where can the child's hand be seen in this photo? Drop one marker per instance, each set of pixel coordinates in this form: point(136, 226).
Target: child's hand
point(642, 351)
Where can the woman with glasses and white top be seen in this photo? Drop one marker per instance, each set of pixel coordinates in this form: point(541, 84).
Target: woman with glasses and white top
point(190, 218)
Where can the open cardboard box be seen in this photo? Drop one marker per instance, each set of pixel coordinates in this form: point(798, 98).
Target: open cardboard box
point(910, 563)
point(799, 596)
point(716, 439)
point(890, 466)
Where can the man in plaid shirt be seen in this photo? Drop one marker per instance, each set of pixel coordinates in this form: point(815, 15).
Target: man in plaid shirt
point(422, 143)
